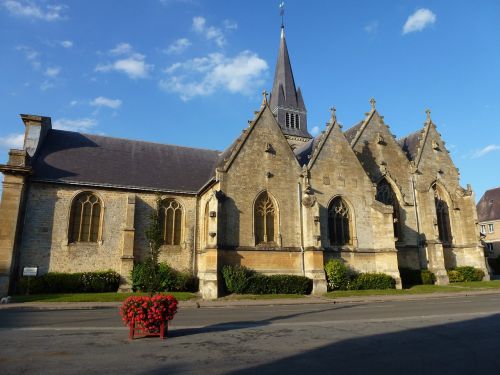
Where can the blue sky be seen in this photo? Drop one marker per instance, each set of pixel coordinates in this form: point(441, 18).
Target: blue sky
point(191, 72)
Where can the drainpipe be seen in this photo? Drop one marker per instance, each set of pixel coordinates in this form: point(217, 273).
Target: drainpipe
point(418, 222)
point(301, 230)
point(195, 240)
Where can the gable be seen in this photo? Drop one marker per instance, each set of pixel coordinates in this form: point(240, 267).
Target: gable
point(263, 139)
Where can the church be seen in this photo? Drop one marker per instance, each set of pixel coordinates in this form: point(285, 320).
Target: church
point(277, 200)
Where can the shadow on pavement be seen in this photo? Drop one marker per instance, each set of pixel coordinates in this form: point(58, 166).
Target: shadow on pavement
point(465, 347)
point(224, 327)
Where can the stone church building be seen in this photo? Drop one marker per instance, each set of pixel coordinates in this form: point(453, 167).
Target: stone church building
point(276, 200)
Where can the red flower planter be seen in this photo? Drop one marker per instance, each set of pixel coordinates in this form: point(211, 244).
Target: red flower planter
point(148, 316)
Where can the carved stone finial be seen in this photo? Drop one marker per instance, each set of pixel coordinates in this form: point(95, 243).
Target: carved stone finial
point(428, 113)
point(264, 98)
point(333, 116)
point(372, 103)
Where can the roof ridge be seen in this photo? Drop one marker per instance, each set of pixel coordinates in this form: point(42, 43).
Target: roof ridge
point(137, 140)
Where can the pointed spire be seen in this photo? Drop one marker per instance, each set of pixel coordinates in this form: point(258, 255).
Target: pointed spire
point(283, 76)
point(286, 101)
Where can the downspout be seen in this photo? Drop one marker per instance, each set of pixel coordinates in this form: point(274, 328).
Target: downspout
point(195, 241)
point(417, 220)
point(301, 230)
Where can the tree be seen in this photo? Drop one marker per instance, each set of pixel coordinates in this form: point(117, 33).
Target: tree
point(155, 240)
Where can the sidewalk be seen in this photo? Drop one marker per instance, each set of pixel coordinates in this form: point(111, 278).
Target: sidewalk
point(221, 303)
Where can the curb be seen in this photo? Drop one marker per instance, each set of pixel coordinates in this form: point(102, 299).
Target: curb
point(193, 304)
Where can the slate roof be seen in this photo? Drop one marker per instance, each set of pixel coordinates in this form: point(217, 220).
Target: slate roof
point(410, 143)
point(304, 152)
point(352, 131)
point(89, 159)
point(488, 207)
point(284, 93)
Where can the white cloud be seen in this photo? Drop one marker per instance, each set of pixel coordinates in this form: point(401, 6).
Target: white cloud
point(372, 27)
point(52, 71)
point(66, 43)
point(419, 20)
point(230, 25)
point(132, 64)
point(101, 101)
point(315, 131)
point(485, 150)
point(121, 49)
point(73, 103)
point(178, 46)
point(12, 141)
point(47, 84)
point(210, 32)
point(31, 55)
point(28, 9)
point(203, 76)
point(76, 125)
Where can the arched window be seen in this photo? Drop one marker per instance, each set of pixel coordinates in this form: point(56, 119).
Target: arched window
point(386, 195)
point(265, 219)
point(338, 222)
point(171, 221)
point(442, 216)
point(85, 218)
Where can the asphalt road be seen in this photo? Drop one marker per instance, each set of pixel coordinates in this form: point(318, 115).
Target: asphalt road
point(456, 335)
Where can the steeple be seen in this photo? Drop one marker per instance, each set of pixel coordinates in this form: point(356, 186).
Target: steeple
point(286, 100)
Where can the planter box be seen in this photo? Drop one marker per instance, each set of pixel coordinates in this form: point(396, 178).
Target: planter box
point(148, 316)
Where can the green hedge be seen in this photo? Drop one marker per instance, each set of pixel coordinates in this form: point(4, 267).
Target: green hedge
point(337, 275)
point(465, 273)
point(242, 280)
point(411, 277)
point(340, 277)
point(236, 278)
point(365, 281)
point(495, 264)
point(82, 282)
point(167, 279)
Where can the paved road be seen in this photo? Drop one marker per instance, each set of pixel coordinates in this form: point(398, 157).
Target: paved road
point(456, 335)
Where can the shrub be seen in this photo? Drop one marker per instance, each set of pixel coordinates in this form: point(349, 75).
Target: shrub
point(495, 264)
point(337, 275)
point(58, 282)
point(365, 281)
point(242, 280)
point(278, 284)
point(428, 278)
point(165, 279)
point(465, 273)
point(455, 276)
point(411, 277)
point(236, 278)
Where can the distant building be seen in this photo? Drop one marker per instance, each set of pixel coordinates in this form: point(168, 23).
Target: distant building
point(276, 200)
point(488, 213)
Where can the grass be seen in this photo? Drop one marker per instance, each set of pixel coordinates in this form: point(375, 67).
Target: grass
point(91, 297)
point(421, 289)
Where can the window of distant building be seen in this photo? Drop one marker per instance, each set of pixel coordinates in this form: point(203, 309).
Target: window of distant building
point(483, 229)
point(491, 228)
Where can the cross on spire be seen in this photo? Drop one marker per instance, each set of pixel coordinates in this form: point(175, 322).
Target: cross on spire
point(333, 117)
point(372, 102)
point(428, 113)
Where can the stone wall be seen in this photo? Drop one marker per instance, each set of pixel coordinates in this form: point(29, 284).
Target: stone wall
point(45, 233)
